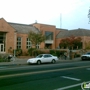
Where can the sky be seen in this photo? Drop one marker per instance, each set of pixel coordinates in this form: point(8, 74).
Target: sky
point(66, 14)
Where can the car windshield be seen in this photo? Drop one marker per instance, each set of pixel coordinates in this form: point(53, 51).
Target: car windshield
point(39, 56)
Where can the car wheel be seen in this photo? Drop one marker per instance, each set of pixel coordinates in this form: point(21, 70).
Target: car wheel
point(38, 62)
point(53, 61)
point(84, 58)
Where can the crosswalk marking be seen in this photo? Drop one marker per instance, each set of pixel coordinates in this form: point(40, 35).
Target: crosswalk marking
point(71, 78)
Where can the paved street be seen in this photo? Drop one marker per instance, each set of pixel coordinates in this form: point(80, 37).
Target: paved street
point(59, 76)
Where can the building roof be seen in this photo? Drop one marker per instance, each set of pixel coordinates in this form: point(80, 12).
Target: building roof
point(75, 32)
point(42, 24)
point(61, 29)
point(23, 28)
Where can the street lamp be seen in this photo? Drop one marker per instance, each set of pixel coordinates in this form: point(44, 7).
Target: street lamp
point(14, 47)
point(70, 52)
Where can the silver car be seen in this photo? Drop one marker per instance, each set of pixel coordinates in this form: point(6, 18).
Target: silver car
point(43, 58)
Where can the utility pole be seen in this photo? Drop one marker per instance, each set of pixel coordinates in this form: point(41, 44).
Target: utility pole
point(89, 15)
point(14, 48)
point(60, 20)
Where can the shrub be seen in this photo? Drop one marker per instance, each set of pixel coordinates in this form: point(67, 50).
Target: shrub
point(30, 51)
point(18, 52)
point(25, 54)
point(58, 53)
point(76, 55)
point(53, 52)
point(4, 58)
point(37, 52)
point(1, 60)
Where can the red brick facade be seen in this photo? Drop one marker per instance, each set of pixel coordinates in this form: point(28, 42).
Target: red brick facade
point(9, 35)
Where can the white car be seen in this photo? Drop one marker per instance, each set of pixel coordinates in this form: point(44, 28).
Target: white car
point(43, 58)
point(86, 56)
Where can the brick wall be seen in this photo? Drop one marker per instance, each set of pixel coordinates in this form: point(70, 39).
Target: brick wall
point(10, 32)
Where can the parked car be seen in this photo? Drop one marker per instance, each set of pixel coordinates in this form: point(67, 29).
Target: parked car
point(43, 58)
point(86, 56)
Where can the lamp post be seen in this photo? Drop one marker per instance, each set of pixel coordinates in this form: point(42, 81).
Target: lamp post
point(14, 47)
point(70, 53)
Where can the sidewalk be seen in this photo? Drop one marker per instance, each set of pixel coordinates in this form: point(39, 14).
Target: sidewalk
point(17, 61)
point(21, 61)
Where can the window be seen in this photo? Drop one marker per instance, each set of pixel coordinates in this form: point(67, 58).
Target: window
point(19, 43)
point(28, 43)
point(37, 46)
point(45, 56)
point(39, 56)
point(49, 55)
point(49, 35)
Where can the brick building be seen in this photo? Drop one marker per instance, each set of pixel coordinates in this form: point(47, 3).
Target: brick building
point(15, 36)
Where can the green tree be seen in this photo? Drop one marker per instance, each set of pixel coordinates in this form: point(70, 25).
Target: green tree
point(36, 38)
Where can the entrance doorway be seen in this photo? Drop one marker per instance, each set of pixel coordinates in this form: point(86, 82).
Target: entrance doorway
point(48, 46)
point(2, 41)
point(1, 48)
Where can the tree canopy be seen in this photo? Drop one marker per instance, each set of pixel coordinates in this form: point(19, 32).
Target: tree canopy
point(71, 42)
point(36, 38)
point(87, 45)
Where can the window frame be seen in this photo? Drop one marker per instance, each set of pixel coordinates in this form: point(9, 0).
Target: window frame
point(19, 43)
point(28, 43)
